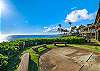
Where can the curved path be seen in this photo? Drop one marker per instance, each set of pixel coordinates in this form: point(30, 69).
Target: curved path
point(69, 59)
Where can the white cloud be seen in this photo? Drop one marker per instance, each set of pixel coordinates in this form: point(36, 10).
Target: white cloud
point(92, 15)
point(68, 29)
point(77, 15)
point(45, 27)
point(73, 8)
point(50, 29)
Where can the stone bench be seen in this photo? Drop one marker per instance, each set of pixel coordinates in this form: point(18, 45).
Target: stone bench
point(60, 43)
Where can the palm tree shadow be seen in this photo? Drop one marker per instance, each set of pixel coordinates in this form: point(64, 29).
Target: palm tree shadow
point(91, 44)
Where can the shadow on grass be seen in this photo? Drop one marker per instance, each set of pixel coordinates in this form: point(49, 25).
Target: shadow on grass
point(91, 44)
point(32, 66)
point(61, 46)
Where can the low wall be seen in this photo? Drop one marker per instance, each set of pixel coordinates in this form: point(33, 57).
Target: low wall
point(23, 66)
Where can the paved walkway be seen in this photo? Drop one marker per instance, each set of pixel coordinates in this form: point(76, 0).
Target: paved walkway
point(69, 59)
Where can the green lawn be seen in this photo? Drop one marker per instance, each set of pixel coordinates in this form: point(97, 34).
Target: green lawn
point(86, 46)
point(90, 47)
point(93, 46)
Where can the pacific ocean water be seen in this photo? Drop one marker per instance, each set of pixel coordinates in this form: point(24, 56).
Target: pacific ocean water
point(14, 37)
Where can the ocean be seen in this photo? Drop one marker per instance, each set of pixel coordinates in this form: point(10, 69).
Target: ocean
point(14, 37)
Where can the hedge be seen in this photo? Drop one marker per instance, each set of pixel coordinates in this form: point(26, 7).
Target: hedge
point(37, 41)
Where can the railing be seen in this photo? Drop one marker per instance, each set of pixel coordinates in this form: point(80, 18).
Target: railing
point(23, 66)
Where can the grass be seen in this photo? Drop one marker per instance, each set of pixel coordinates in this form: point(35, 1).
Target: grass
point(97, 42)
point(50, 46)
point(93, 48)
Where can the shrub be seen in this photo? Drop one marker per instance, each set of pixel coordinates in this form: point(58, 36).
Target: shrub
point(69, 39)
point(3, 62)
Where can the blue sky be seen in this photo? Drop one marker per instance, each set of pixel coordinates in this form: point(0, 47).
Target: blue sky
point(41, 16)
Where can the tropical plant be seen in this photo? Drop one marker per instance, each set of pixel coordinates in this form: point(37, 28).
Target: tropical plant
point(70, 23)
point(60, 28)
point(73, 28)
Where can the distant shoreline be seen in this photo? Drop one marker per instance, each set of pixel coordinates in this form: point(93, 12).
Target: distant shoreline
point(14, 37)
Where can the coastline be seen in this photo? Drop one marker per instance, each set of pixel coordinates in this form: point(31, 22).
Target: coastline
point(5, 38)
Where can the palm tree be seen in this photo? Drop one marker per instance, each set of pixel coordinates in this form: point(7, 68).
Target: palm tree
point(70, 23)
point(60, 28)
point(73, 28)
point(80, 28)
point(60, 25)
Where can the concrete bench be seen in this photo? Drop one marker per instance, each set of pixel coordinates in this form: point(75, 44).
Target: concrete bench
point(60, 43)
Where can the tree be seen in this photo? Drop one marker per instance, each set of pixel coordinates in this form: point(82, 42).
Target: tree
point(60, 25)
point(73, 28)
point(60, 28)
point(70, 23)
point(80, 28)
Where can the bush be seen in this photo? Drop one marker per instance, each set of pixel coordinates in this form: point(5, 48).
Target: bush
point(8, 54)
point(3, 62)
